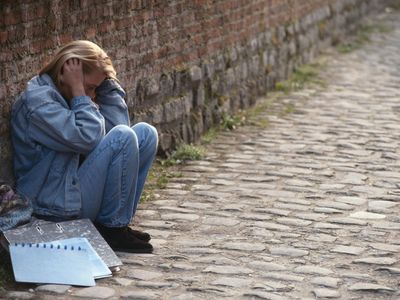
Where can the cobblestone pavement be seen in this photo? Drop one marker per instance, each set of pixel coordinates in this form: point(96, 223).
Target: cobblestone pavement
point(306, 208)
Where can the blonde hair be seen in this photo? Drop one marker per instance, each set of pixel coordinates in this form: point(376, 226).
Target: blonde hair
point(92, 56)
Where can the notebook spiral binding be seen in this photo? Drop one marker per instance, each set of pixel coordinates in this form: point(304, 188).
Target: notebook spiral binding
point(50, 246)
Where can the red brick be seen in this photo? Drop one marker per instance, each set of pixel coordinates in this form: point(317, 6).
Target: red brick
point(12, 18)
point(65, 38)
point(90, 33)
point(106, 27)
point(3, 36)
point(36, 47)
point(2, 91)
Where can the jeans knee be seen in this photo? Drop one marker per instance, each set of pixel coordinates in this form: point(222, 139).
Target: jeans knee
point(125, 135)
point(148, 131)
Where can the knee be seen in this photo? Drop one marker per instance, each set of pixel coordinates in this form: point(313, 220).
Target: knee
point(148, 132)
point(124, 135)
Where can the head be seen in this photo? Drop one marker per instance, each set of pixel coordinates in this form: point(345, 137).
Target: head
point(95, 62)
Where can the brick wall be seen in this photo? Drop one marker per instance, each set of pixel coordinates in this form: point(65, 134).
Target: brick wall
point(184, 63)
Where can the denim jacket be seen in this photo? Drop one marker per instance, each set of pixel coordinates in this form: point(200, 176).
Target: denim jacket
point(49, 134)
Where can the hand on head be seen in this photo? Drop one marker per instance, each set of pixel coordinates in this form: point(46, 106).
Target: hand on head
point(72, 79)
point(74, 82)
point(87, 67)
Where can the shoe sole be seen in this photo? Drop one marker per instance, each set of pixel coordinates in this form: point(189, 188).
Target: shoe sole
point(133, 250)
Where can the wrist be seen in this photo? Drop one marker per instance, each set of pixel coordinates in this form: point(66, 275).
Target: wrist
point(78, 91)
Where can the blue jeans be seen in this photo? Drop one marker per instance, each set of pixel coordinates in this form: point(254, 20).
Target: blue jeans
point(113, 174)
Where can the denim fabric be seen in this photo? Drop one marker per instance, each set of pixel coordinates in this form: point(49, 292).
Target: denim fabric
point(49, 136)
point(113, 175)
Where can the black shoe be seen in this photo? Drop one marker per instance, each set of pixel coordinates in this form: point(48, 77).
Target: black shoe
point(144, 236)
point(123, 239)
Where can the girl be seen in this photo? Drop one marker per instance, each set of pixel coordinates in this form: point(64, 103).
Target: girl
point(75, 153)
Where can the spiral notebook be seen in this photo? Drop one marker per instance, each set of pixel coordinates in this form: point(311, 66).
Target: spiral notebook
point(58, 263)
point(39, 231)
point(97, 265)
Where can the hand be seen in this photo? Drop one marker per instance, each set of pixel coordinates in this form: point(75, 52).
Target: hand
point(71, 78)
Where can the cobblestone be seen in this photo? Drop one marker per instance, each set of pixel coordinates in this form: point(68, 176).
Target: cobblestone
point(312, 270)
point(369, 287)
point(227, 270)
point(367, 215)
point(348, 250)
point(140, 295)
point(326, 281)
point(387, 261)
point(326, 293)
point(20, 295)
point(53, 288)
point(232, 282)
point(99, 292)
point(288, 251)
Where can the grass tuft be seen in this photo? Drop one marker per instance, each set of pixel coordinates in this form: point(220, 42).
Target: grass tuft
point(308, 74)
point(159, 176)
point(231, 122)
point(161, 173)
point(187, 152)
point(209, 136)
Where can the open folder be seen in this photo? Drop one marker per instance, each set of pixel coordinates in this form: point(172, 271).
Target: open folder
point(97, 266)
point(70, 261)
point(39, 231)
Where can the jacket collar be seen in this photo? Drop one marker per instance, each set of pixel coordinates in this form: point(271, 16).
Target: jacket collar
point(41, 80)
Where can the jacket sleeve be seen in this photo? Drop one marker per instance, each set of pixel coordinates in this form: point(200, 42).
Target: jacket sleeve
point(78, 129)
point(110, 97)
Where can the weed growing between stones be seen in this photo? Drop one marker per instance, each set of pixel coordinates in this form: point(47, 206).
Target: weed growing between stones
point(159, 176)
point(231, 122)
point(307, 74)
point(187, 152)
point(288, 109)
point(161, 172)
point(209, 136)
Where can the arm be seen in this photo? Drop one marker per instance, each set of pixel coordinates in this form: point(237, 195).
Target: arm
point(78, 129)
point(110, 97)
